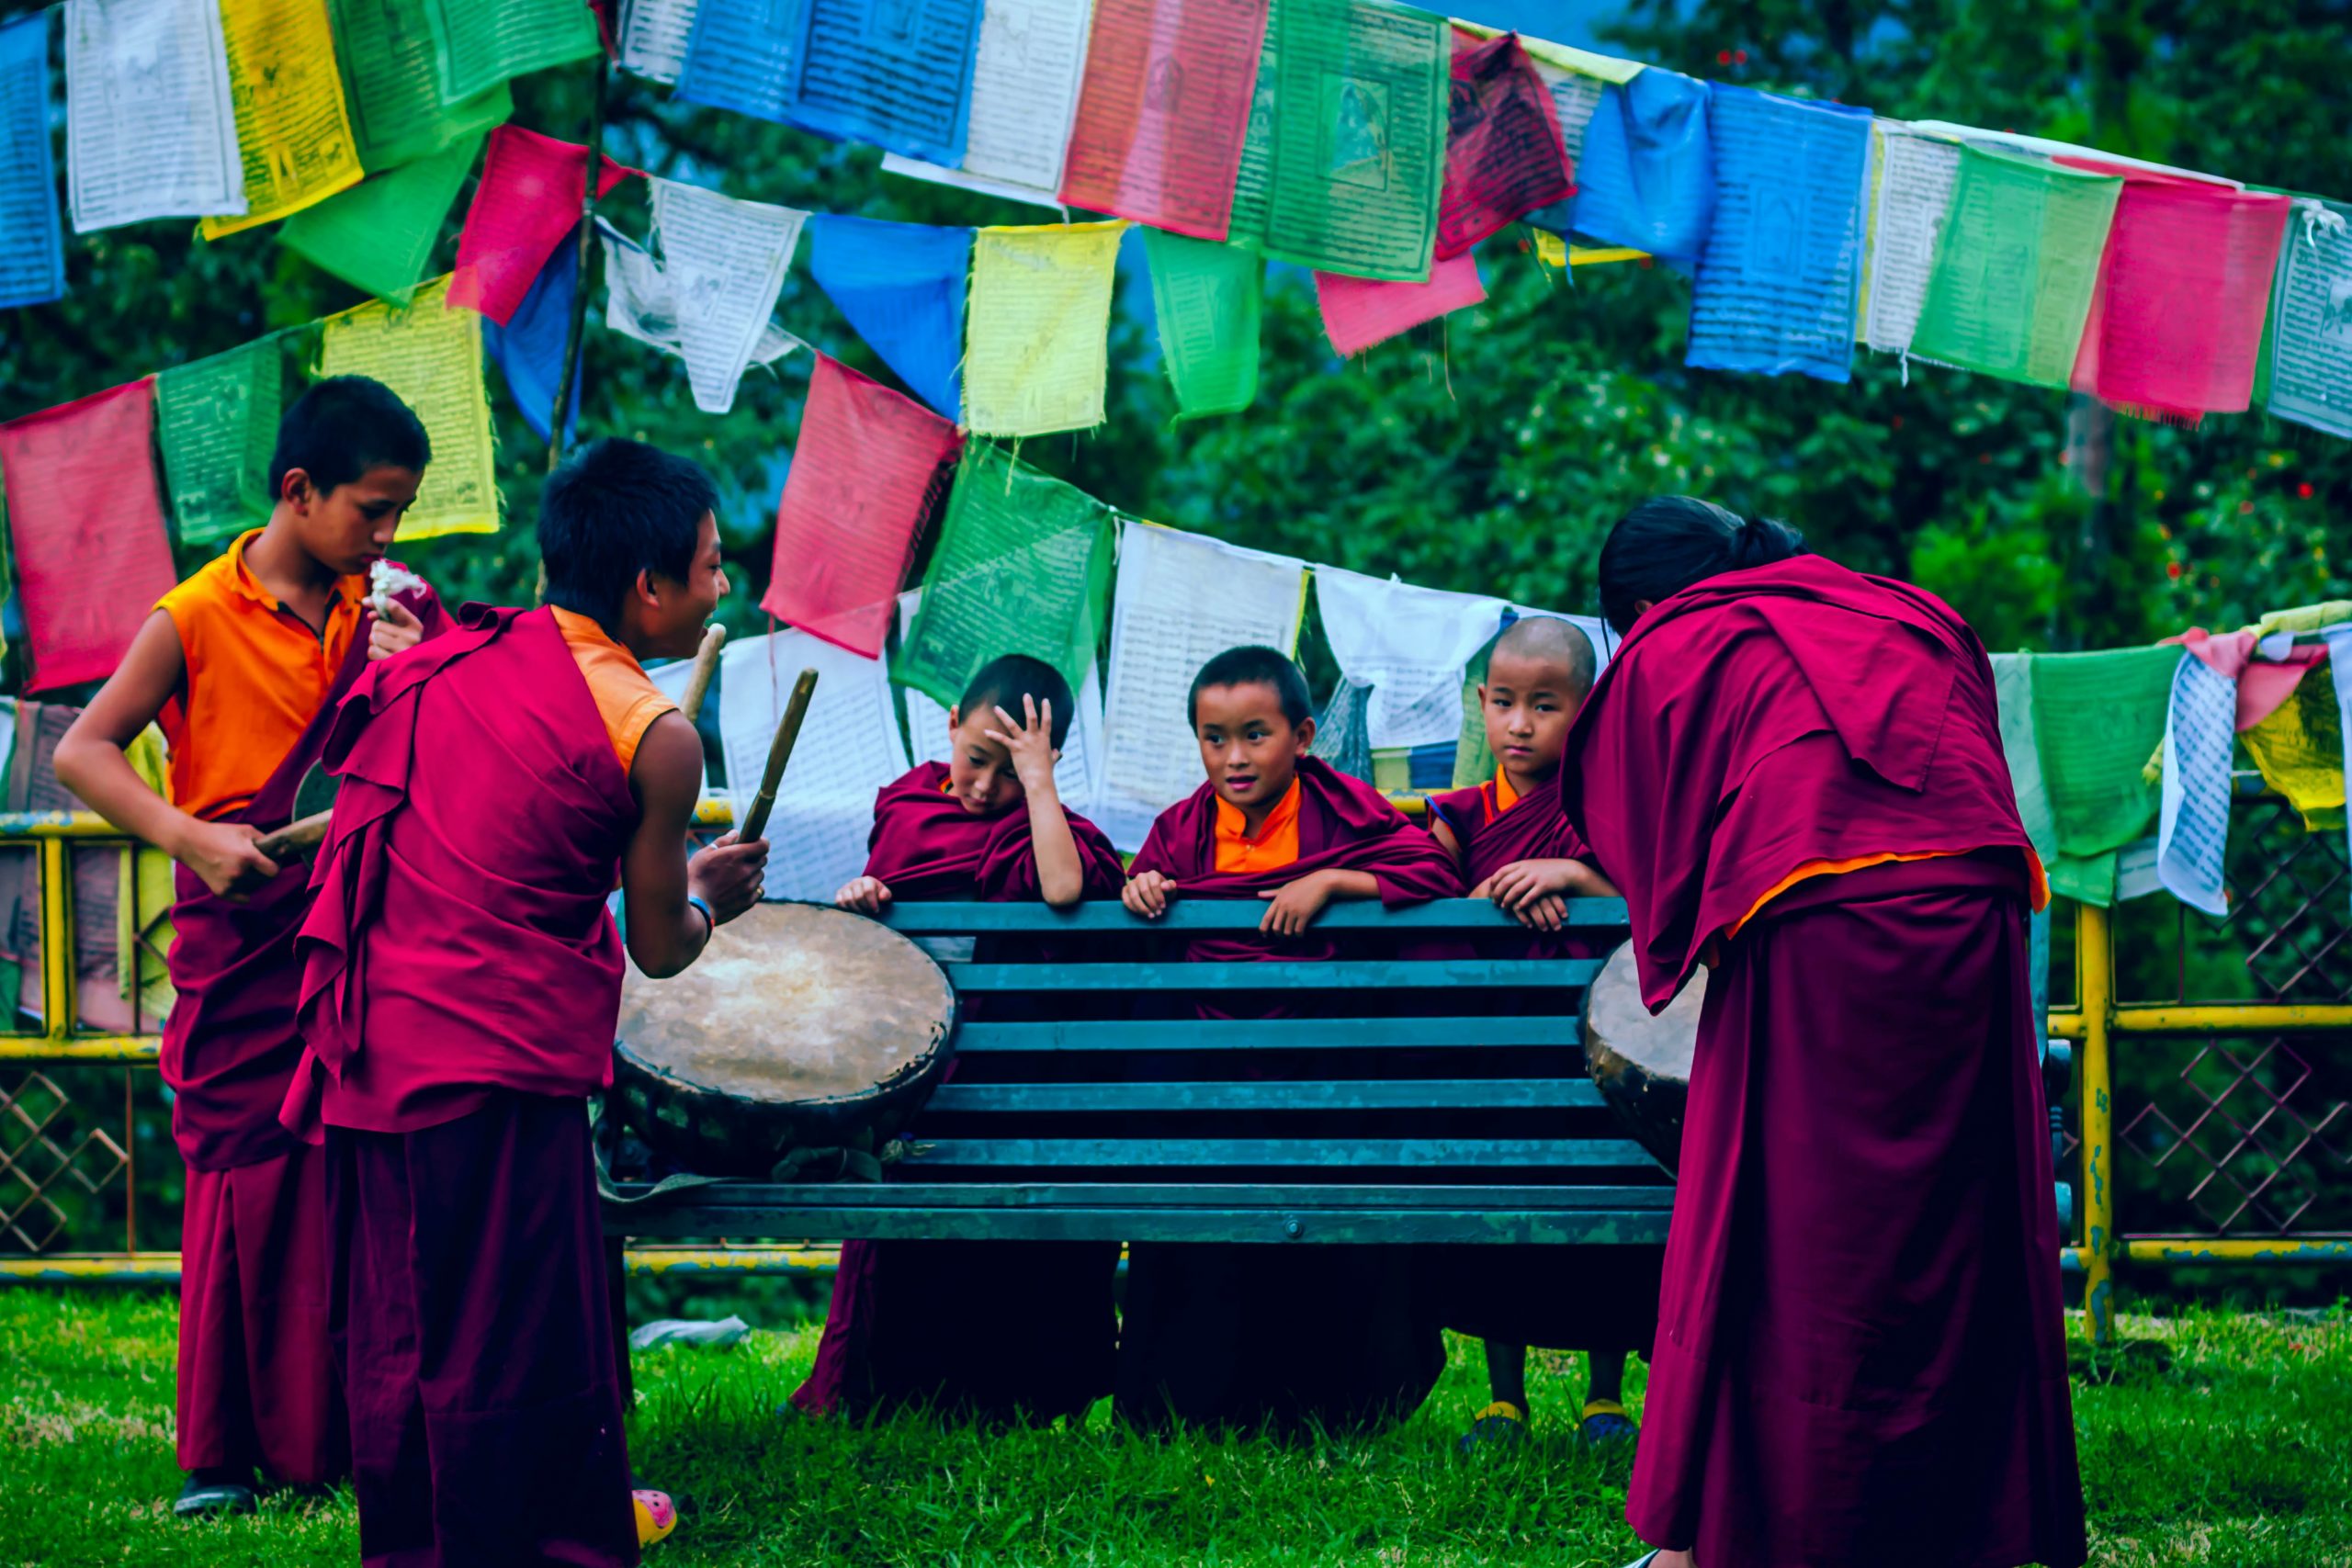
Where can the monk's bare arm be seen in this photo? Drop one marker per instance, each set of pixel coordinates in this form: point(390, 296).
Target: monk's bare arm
point(90, 762)
point(665, 933)
point(1443, 831)
point(1061, 876)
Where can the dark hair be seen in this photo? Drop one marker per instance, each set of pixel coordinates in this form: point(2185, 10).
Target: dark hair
point(341, 428)
point(1669, 542)
point(1003, 681)
point(1549, 637)
point(1253, 665)
point(613, 509)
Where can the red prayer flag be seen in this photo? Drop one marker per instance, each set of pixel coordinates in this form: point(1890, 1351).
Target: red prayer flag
point(868, 469)
point(1504, 153)
point(2175, 319)
point(1360, 311)
point(527, 199)
point(1163, 111)
point(86, 518)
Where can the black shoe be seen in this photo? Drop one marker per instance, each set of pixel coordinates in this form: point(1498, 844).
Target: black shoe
point(212, 1492)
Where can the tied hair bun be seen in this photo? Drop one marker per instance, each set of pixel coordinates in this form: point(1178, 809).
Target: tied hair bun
point(1760, 541)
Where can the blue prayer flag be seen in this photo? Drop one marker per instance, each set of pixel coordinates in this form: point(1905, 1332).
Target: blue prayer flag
point(894, 73)
point(1784, 255)
point(32, 244)
point(1646, 178)
point(741, 53)
point(902, 287)
point(529, 347)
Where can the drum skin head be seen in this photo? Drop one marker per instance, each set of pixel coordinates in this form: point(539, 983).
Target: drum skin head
point(1641, 1063)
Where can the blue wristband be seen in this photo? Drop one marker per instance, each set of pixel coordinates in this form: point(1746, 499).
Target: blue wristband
point(696, 900)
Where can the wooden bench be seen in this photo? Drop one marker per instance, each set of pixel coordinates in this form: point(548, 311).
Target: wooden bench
point(1431, 1100)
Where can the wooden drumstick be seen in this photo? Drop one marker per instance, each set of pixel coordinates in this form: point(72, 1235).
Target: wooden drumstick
point(755, 821)
point(295, 838)
point(714, 637)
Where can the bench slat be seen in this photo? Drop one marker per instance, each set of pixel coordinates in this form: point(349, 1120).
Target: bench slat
point(1321, 1153)
point(1268, 1034)
point(1226, 914)
point(1321, 1094)
point(1384, 974)
point(721, 1198)
point(1434, 1226)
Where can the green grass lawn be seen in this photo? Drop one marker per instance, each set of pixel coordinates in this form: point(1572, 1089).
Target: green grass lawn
point(2238, 1452)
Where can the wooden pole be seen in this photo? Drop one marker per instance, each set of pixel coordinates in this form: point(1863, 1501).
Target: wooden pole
point(575, 331)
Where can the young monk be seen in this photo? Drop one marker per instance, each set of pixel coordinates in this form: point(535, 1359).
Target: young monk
point(243, 664)
point(996, 1331)
point(1288, 1338)
point(1795, 772)
point(460, 988)
point(1514, 846)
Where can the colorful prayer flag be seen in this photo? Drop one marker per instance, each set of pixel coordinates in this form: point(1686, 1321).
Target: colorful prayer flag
point(380, 234)
point(1777, 281)
point(1039, 328)
point(86, 527)
point(32, 241)
point(430, 354)
point(1911, 198)
point(1205, 298)
point(2015, 265)
point(1022, 566)
point(1024, 89)
point(740, 55)
point(1162, 111)
point(529, 347)
point(150, 131)
point(1505, 156)
point(479, 43)
point(726, 259)
point(2308, 374)
point(292, 132)
point(1359, 313)
point(655, 35)
point(528, 198)
point(1575, 98)
point(868, 468)
point(894, 73)
point(216, 422)
point(392, 86)
point(901, 286)
point(642, 302)
point(1647, 181)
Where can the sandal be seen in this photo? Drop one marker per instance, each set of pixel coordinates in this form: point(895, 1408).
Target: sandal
point(1604, 1421)
point(211, 1492)
point(1501, 1425)
point(656, 1516)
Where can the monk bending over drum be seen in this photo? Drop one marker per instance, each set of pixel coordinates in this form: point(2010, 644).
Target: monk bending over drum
point(1000, 1331)
point(1300, 1336)
point(1515, 847)
point(461, 987)
point(1795, 773)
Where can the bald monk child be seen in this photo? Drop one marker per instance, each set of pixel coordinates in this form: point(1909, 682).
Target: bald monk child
point(1290, 1338)
point(242, 664)
point(995, 1331)
point(1515, 846)
point(460, 990)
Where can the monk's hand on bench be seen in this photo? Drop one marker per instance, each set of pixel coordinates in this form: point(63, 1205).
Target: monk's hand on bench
point(728, 875)
point(1148, 895)
point(227, 856)
point(1534, 891)
point(864, 894)
point(1291, 910)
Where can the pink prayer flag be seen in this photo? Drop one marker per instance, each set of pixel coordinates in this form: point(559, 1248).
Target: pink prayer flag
point(1163, 111)
point(2176, 320)
point(2264, 685)
point(1358, 312)
point(868, 470)
point(527, 199)
point(86, 518)
point(1504, 153)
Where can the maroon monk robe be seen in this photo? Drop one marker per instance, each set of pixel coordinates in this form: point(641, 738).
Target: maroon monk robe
point(461, 990)
point(1600, 1297)
point(1294, 1338)
point(1861, 1358)
point(998, 1331)
point(255, 1386)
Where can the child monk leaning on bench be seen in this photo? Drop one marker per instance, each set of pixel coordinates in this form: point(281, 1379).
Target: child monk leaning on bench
point(1515, 846)
point(1287, 1337)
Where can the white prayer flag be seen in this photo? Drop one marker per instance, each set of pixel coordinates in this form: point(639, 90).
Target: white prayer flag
point(725, 261)
point(1411, 644)
point(150, 129)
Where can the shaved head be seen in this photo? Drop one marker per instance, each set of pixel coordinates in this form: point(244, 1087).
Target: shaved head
point(1553, 643)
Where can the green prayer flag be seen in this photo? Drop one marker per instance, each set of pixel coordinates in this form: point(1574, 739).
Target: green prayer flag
point(2013, 689)
point(1022, 566)
point(1205, 296)
point(1362, 89)
point(2015, 268)
point(380, 233)
point(1253, 181)
point(476, 44)
point(391, 85)
point(2088, 879)
point(2098, 717)
point(216, 421)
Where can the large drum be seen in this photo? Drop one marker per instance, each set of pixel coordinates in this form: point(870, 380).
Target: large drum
point(1640, 1062)
point(800, 1026)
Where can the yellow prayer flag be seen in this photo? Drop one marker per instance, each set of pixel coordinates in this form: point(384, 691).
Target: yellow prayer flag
point(1551, 249)
point(1554, 251)
point(1038, 328)
point(2299, 748)
point(431, 355)
point(293, 134)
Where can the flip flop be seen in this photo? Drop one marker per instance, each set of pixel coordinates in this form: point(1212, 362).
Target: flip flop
point(1647, 1558)
point(1604, 1421)
point(202, 1499)
point(656, 1516)
point(1501, 1425)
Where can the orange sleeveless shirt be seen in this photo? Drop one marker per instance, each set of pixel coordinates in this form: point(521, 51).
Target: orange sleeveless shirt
point(626, 699)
